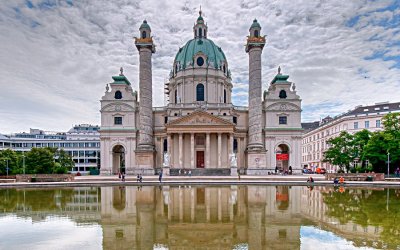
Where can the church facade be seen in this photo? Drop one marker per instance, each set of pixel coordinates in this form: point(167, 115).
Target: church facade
point(200, 131)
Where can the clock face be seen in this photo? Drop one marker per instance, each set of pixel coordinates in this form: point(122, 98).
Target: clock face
point(117, 108)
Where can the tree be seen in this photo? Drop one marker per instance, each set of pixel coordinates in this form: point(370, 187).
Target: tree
point(40, 161)
point(8, 157)
point(383, 142)
point(65, 161)
point(341, 150)
point(360, 142)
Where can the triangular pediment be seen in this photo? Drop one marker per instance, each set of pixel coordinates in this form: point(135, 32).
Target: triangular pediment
point(200, 118)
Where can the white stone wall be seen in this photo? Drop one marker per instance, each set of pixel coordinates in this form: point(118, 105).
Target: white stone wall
point(112, 134)
point(289, 134)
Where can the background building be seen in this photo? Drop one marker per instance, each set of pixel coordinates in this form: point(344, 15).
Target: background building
point(82, 142)
point(315, 138)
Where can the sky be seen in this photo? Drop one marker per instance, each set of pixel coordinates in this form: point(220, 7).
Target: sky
point(56, 56)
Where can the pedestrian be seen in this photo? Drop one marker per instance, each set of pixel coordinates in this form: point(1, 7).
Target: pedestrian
point(335, 181)
point(160, 176)
point(140, 178)
point(123, 176)
point(119, 174)
point(290, 170)
point(190, 173)
point(341, 180)
point(137, 178)
point(179, 172)
point(276, 169)
point(397, 172)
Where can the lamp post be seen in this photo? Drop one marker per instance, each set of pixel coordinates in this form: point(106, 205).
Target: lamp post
point(23, 161)
point(388, 162)
point(7, 167)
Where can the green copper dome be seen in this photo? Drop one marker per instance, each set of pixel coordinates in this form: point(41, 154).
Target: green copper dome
point(186, 55)
point(255, 24)
point(145, 25)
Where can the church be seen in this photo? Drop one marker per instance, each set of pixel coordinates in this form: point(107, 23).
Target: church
point(200, 131)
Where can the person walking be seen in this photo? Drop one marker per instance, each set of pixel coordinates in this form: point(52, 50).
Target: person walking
point(123, 176)
point(160, 176)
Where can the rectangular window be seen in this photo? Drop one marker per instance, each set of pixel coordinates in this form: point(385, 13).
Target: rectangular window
point(234, 120)
point(282, 119)
point(200, 140)
point(378, 123)
point(165, 119)
point(355, 125)
point(118, 120)
point(366, 124)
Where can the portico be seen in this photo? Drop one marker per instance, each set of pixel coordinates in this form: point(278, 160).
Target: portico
point(200, 140)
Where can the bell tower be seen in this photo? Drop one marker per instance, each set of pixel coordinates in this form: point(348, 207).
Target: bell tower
point(256, 154)
point(145, 149)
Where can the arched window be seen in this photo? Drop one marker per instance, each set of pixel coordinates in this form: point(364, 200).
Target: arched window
point(224, 68)
point(200, 32)
point(282, 94)
point(200, 92)
point(256, 33)
point(224, 95)
point(143, 34)
point(118, 95)
point(176, 96)
point(176, 68)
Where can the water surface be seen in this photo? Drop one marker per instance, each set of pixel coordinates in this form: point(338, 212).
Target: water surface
point(192, 217)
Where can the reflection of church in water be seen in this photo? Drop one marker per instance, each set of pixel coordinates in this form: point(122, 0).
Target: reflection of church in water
point(200, 129)
point(228, 217)
point(201, 217)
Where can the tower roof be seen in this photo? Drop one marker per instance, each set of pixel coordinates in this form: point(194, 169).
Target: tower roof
point(255, 24)
point(145, 25)
point(121, 79)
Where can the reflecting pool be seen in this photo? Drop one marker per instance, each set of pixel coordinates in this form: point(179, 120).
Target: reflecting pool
point(194, 217)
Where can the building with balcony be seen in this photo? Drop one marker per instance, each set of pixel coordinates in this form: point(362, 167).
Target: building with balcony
point(314, 142)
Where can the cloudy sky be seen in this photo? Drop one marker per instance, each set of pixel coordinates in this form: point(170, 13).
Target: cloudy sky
point(56, 56)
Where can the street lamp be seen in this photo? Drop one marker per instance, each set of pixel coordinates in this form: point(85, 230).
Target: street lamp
point(388, 162)
point(23, 161)
point(6, 160)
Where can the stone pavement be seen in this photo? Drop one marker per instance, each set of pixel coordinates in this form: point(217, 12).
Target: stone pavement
point(295, 180)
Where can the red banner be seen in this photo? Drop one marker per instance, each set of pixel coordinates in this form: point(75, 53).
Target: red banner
point(282, 157)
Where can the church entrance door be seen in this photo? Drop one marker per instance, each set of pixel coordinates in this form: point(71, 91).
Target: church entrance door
point(200, 159)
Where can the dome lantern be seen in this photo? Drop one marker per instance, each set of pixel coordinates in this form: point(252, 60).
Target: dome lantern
point(200, 29)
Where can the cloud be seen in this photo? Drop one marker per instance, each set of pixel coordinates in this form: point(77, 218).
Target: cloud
point(57, 56)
